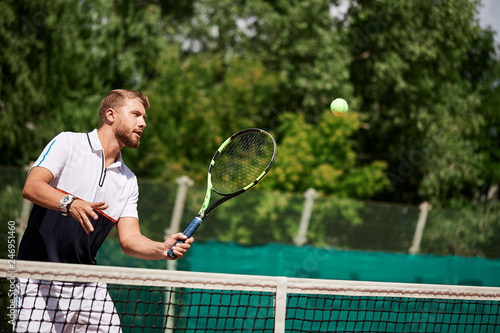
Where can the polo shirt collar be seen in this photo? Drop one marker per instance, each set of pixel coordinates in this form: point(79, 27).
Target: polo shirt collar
point(95, 144)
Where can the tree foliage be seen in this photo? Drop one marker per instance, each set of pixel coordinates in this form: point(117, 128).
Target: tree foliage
point(419, 67)
point(299, 41)
point(59, 59)
point(320, 156)
point(196, 104)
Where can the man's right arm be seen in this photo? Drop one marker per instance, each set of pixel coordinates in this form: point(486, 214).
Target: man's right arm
point(38, 190)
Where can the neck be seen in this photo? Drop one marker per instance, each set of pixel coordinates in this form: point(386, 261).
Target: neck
point(110, 145)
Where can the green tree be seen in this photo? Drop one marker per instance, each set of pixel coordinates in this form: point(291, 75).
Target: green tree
point(59, 58)
point(489, 142)
point(321, 156)
point(299, 41)
point(32, 52)
point(417, 67)
point(196, 103)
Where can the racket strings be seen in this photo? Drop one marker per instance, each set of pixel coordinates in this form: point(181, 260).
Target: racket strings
point(242, 161)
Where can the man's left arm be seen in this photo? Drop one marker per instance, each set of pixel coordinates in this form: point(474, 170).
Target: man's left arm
point(134, 243)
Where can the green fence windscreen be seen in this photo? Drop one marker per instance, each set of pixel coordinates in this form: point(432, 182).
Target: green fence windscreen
point(312, 262)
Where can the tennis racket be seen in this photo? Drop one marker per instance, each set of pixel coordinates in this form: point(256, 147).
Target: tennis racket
point(238, 165)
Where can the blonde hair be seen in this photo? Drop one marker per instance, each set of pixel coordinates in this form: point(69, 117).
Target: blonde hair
point(117, 98)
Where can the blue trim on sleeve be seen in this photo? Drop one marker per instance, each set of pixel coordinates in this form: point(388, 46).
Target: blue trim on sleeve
point(48, 150)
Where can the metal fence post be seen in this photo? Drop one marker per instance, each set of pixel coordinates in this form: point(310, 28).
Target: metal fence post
point(301, 237)
point(425, 207)
point(25, 214)
point(183, 183)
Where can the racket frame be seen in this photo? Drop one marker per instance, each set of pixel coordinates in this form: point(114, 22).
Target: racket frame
point(205, 208)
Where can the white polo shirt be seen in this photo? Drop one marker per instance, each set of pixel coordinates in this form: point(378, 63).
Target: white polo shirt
point(76, 160)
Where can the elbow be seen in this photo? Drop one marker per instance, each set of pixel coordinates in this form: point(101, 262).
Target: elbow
point(126, 248)
point(127, 251)
point(30, 190)
point(27, 192)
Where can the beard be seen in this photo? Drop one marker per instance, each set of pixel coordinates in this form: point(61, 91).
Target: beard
point(127, 137)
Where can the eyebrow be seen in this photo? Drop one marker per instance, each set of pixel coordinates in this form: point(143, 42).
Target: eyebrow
point(139, 111)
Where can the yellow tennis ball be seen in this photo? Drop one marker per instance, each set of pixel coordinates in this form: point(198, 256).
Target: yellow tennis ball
point(339, 107)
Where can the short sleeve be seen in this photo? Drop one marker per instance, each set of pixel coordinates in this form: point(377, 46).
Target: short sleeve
point(130, 209)
point(55, 154)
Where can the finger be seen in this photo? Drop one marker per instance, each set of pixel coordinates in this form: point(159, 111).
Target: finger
point(87, 226)
point(182, 247)
point(180, 236)
point(94, 215)
point(188, 241)
point(96, 206)
point(99, 205)
point(178, 251)
point(174, 238)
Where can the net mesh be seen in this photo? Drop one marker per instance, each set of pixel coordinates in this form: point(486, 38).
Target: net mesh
point(149, 300)
point(242, 161)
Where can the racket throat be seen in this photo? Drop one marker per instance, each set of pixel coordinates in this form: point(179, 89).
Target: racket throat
point(206, 201)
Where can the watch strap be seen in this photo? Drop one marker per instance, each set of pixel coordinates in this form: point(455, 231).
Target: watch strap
point(66, 202)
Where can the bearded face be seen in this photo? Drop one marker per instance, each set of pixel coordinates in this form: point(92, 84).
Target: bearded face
point(128, 136)
point(130, 123)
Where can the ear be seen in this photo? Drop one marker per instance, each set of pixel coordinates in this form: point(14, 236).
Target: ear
point(110, 115)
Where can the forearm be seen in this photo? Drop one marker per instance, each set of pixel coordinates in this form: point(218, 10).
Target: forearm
point(141, 247)
point(134, 243)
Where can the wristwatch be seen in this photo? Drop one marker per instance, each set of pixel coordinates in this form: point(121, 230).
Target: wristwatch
point(66, 201)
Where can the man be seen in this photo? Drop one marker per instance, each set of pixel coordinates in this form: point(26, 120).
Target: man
point(81, 188)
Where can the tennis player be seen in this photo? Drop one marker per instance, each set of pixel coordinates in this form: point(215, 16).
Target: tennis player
point(81, 189)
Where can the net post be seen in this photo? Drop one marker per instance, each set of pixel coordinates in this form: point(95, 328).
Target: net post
point(301, 237)
point(425, 207)
point(280, 305)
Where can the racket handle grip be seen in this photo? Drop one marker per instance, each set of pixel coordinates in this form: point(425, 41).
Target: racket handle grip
point(195, 223)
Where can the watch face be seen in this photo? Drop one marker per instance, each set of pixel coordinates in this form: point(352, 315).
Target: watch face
point(65, 199)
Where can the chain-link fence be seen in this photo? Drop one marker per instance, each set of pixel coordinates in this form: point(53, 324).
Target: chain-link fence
point(259, 217)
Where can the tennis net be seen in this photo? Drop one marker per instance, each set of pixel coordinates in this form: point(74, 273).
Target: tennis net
point(151, 300)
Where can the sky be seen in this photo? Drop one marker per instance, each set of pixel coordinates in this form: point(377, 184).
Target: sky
point(489, 15)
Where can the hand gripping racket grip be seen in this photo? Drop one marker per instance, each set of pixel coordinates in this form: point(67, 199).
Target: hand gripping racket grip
point(195, 223)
